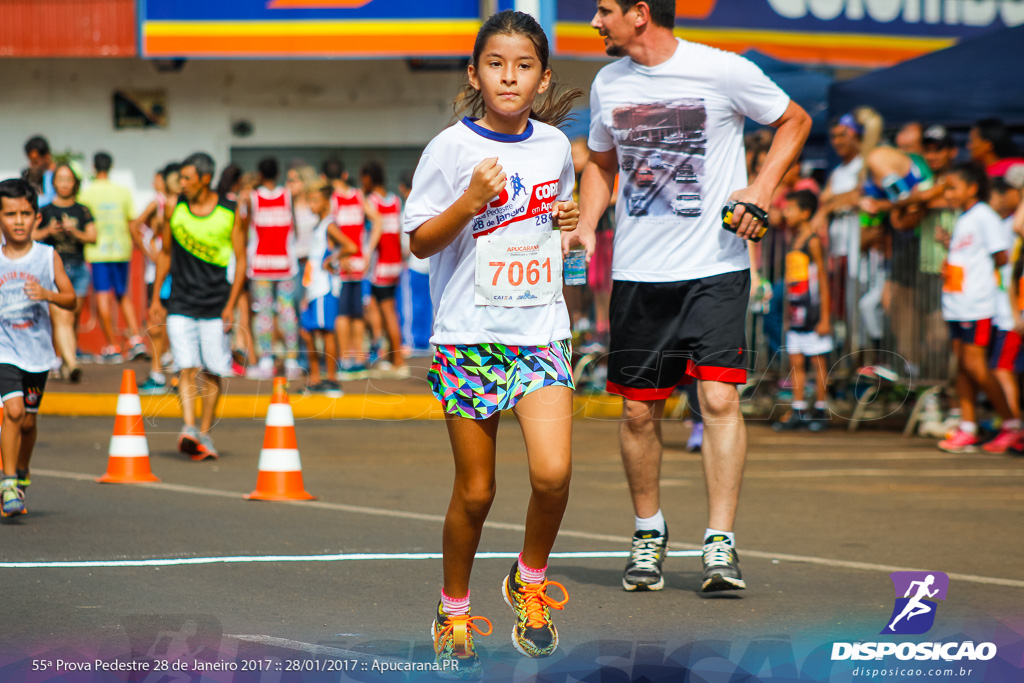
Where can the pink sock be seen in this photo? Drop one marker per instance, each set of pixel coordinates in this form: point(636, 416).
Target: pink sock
point(454, 607)
point(530, 575)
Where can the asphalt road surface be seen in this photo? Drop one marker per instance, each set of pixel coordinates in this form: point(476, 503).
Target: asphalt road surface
point(824, 520)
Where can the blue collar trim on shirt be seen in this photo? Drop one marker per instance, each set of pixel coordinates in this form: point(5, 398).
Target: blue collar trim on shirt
point(498, 137)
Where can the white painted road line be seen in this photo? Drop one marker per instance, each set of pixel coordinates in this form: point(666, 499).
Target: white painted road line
point(341, 557)
point(565, 533)
point(317, 650)
point(881, 472)
point(846, 456)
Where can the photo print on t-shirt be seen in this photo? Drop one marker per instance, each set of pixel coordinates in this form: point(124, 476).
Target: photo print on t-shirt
point(662, 147)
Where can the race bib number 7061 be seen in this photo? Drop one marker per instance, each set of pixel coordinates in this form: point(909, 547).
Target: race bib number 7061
point(519, 270)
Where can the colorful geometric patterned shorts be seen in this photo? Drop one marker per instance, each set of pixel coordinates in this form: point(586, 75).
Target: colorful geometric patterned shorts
point(476, 380)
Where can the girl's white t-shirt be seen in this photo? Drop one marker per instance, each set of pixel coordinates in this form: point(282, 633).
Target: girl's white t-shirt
point(538, 167)
point(970, 290)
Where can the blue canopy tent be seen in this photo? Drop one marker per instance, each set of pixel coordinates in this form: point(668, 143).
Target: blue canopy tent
point(807, 88)
point(975, 79)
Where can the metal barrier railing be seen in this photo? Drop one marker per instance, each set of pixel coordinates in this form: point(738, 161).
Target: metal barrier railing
point(886, 310)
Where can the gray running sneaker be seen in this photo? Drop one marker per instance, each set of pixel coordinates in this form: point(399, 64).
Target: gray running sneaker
point(206, 448)
point(188, 441)
point(643, 571)
point(12, 498)
point(721, 566)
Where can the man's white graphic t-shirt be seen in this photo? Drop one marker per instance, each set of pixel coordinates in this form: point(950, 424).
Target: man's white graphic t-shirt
point(969, 287)
point(678, 130)
point(539, 171)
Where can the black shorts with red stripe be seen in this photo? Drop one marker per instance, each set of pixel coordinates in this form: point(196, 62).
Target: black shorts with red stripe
point(667, 333)
point(1007, 351)
point(977, 332)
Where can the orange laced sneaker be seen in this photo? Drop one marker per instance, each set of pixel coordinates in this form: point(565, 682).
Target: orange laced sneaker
point(533, 634)
point(454, 652)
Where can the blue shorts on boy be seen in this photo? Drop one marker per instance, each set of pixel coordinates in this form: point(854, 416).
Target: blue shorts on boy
point(350, 299)
point(112, 276)
point(320, 313)
point(977, 332)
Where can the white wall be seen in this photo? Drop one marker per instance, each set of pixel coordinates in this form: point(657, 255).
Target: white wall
point(289, 103)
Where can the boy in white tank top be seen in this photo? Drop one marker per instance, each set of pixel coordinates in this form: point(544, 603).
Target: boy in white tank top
point(32, 276)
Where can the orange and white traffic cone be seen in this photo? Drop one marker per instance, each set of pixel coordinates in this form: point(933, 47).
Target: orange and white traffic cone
point(129, 451)
point(280, 471)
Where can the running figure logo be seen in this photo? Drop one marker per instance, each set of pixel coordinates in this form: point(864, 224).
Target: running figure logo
point(914, 612)
point(517, 186)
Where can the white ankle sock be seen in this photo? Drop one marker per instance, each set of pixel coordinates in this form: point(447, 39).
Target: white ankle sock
point(730, 536)
point(655, 523)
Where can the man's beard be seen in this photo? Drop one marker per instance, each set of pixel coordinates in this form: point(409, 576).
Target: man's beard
point(613, 50)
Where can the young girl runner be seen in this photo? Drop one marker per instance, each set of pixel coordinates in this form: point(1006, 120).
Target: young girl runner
point(486, 198)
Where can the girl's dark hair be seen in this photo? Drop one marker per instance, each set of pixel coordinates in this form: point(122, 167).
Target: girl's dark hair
point(556, 105)
point(229, 178)
point(973, 174)
point(996, 132)
point(78, 181)
point(374, 171)
point(169, 169)
point(268, 168)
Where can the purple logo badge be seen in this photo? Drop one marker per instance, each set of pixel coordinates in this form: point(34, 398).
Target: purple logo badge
point(916, 593)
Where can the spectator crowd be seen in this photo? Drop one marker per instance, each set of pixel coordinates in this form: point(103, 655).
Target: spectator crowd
point(377, 311)
point(855, 280)
point(903, 267)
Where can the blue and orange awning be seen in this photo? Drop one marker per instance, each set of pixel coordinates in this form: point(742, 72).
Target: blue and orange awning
point(308, 39)
point(845, 49)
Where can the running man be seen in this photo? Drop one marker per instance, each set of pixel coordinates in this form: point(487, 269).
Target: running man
point(198, 239)
point(915, 606)
point(670, 108)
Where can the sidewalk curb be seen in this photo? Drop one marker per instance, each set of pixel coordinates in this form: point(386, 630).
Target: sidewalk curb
point(350, 407)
